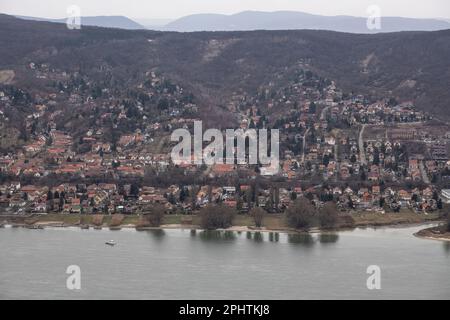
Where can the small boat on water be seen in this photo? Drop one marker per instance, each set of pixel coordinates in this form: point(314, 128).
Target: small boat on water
point(110, 243)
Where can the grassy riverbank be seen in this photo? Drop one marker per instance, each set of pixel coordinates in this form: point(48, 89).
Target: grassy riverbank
point(434, 233)
point(275, 222)
point(389, 219)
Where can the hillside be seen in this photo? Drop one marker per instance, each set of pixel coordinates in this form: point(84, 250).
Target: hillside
point(408, 65)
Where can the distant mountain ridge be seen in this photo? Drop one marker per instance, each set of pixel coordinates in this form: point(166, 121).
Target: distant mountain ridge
point(120, 22)
point(291, 20)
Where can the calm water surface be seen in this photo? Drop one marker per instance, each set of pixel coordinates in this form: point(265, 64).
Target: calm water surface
point(183, 264)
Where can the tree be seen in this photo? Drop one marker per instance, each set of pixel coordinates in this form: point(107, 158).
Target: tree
point(301, 214)
point(171, 199)
point(382, 202)
point(163, 104)
point(439, 204)
point(376, 158)
point(328, 215)
point(184, 193)
point(396, 207)
point(134, 189)
point(115, 164)
point(248, 195)
point(293, 196)
point(312, 108)
point(392, 102)
point(363, 175)
point(269, 204)
point(326, 160)
point(215, 217)
point(61, 202)
point(435, 195)
point(276, 196)
point(239, 204)
point(105, 208)
point(351, 205)
point(257, 214)
point(193, 197)
point(156, 215)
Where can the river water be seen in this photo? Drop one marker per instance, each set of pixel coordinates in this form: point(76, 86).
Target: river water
point(185, 264)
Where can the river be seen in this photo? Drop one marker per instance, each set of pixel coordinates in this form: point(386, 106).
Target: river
point(185, 264)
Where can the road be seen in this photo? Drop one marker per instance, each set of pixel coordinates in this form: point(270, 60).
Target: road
point(362, 153)
point(424, 173)
point(323, 114)
point(304, 145)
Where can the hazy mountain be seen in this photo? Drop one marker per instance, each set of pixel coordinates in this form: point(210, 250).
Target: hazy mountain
point(290, 20)
point(120, 22)
point(153, 24)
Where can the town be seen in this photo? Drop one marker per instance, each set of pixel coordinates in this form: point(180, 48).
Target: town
point(113, 155)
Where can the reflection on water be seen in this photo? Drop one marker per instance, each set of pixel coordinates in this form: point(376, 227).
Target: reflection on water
point(274, 236)
point(255, 236)
point(215, 235)
point(260, 237)
point(157, 234)
point(447, 247)
point(328, 238)
point(301, 238)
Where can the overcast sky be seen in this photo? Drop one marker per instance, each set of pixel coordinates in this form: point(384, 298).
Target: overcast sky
point(157, 9)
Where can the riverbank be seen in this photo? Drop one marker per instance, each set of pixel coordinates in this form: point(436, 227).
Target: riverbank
point(434, 233)
point(271, 222)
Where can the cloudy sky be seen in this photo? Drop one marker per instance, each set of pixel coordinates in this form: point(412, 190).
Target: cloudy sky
point(170, 9)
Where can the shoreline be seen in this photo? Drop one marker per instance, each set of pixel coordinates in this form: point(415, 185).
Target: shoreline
point(433, 233)
point(39, 225)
